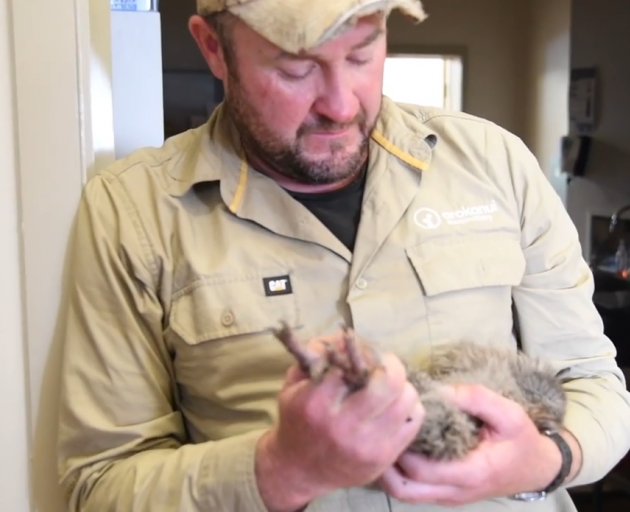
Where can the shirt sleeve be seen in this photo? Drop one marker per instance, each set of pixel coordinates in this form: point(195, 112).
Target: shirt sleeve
point(122, 442)
point(559, 322)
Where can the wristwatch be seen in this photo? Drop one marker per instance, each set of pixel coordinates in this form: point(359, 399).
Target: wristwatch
point(565, 469)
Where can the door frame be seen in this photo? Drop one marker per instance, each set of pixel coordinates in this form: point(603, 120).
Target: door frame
point(63, 133)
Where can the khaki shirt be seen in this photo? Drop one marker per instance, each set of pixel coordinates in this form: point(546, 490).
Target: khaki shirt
point(170, 373)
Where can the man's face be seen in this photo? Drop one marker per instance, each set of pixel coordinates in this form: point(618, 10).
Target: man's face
point(306, 116)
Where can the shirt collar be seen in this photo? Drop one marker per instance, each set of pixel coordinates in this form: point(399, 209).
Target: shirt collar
point(213, 152)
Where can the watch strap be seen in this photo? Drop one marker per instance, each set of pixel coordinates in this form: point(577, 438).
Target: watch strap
point(567, 460)
point(565, 469)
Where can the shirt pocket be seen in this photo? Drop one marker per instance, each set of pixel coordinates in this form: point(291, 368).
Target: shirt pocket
point(228, 365)
point(467, 286)
point(213, 308)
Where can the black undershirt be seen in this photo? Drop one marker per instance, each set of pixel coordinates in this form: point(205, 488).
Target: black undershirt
point(339, 210)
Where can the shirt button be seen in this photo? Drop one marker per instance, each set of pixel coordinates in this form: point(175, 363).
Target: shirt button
point(227, 318)
point(362, 284)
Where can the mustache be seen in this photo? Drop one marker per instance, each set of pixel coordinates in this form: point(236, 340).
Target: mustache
point(325, 124)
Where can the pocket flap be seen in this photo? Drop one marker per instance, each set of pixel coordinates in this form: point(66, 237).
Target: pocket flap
point(214, 308)
point(463, 264)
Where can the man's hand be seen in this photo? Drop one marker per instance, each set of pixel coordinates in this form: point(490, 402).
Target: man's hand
point(513, 457)
point(327, 439)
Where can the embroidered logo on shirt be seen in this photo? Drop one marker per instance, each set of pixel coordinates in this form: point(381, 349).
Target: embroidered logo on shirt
point(280, 285)
point(428, 218)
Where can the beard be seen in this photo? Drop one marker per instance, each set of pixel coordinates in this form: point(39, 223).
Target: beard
point(288, 157)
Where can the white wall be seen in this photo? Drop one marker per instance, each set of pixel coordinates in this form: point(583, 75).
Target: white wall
point(601, 38)
point(14, 488)
point(549, 50)
point(55, 128)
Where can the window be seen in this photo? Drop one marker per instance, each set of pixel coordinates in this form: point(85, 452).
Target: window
point(430, 80)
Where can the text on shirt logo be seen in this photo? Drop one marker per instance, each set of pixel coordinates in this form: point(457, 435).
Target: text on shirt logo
point(278, 285)
point(428, 218)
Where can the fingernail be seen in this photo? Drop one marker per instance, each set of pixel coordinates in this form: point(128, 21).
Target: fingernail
point(449, 392)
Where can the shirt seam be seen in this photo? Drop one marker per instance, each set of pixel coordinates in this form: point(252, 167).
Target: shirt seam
point(148, 251)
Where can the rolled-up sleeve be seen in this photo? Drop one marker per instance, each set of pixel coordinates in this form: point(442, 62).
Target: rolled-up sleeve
point(558, 320)
point(122, 442)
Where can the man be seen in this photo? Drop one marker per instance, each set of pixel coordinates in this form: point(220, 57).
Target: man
point(309, 198)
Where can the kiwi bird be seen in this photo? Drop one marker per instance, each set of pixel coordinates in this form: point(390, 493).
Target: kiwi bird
point(446, 433)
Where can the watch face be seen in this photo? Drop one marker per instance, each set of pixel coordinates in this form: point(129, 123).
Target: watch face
point(530, 496)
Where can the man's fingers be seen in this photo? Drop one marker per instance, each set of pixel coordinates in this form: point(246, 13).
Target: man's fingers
point(385, 387)
point(406, 408)
point(395, 483)
point(501, 415)
point(402, 421)
point(293, 376)
point(459, 473)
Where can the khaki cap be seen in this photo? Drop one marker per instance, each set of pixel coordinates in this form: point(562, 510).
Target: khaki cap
point(295, 25)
